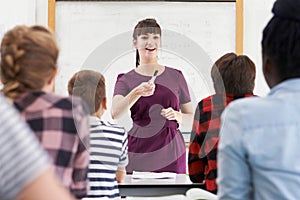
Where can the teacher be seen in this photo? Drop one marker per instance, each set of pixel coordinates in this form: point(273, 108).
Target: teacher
point(157, 107)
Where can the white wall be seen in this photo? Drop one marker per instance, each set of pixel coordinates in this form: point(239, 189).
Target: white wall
point(15, 12)
point(256, 15)
point(41, 13)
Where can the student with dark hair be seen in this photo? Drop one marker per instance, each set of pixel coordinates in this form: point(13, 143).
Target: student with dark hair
point(108, 142)
point(157, 106)
point(259, 145)
point(28, 68)
point(233, 78)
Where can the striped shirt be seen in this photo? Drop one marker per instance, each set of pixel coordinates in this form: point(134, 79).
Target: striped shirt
point(21, 157)
point(108, 151)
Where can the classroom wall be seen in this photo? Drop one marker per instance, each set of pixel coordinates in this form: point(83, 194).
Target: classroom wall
point(256, 15)
point(14, 12)
point(42, 12)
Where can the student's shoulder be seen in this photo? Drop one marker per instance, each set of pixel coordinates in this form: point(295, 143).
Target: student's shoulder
point(33, 101)
point(66, 102)
point(249, 103)
point(113, 127)
point(205, 103)
point(251, 110)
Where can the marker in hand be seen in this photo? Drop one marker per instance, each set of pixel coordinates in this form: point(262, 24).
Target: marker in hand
point(154, 76)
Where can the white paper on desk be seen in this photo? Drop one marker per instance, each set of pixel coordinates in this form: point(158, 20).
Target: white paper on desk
point(171, 197)
point(198, 194)
point(153, 175)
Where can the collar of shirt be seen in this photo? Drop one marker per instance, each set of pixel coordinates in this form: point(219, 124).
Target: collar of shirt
point(287, 86)
point(95, 120)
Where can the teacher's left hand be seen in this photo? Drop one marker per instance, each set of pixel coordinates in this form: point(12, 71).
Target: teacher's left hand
point(171, 114)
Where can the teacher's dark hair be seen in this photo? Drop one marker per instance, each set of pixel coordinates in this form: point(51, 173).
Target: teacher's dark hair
point(145, 26)
point(281, 38)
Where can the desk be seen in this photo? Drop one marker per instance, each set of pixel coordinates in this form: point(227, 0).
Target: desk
point(156, 187)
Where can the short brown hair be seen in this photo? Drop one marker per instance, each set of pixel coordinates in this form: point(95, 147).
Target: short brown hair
point(28, 59)
point(90, 86)
point(233, 74)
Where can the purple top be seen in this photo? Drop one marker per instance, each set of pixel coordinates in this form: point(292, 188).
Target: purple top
point(155, 143)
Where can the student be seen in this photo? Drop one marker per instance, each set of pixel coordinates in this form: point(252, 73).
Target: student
point(24, 167)
point(108, 142)
point(157, 108)
point(233, 77)
point(259, 145)
point(28, 68)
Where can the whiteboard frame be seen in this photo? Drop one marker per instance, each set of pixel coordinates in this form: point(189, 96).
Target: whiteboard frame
point(239, 27)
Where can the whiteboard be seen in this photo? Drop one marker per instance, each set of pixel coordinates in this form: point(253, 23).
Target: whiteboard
point(98, 36)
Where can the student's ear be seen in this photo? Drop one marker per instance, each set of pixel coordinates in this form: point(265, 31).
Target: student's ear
point(103, 104)
point(270, 72)
point(266, 67)
point(51, 80)
point(134, 43)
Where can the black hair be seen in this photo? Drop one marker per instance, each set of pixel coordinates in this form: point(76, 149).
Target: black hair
point(281, 38)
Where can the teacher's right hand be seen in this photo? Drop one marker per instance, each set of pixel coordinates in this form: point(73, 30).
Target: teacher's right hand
point(145, 89)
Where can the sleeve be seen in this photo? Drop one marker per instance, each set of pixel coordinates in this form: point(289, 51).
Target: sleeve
point(21, 157)
point(121, 87)
point(79, 185)
point(184, 95)
point(233, 172)
point(124, 155)
point(196, 161)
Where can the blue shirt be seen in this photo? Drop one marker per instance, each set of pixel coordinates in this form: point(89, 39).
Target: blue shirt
point(259, 149)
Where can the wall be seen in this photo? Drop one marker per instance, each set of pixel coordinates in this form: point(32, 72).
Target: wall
point(42, 12)
point(256, 15)
point(15, 12)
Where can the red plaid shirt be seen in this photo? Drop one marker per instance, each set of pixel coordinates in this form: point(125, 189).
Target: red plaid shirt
point(202, 159)
point(61, 125)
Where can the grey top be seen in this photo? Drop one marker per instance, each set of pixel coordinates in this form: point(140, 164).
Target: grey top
point(21, 157)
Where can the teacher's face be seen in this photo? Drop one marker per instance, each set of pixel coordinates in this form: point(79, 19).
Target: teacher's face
point(148, 45)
